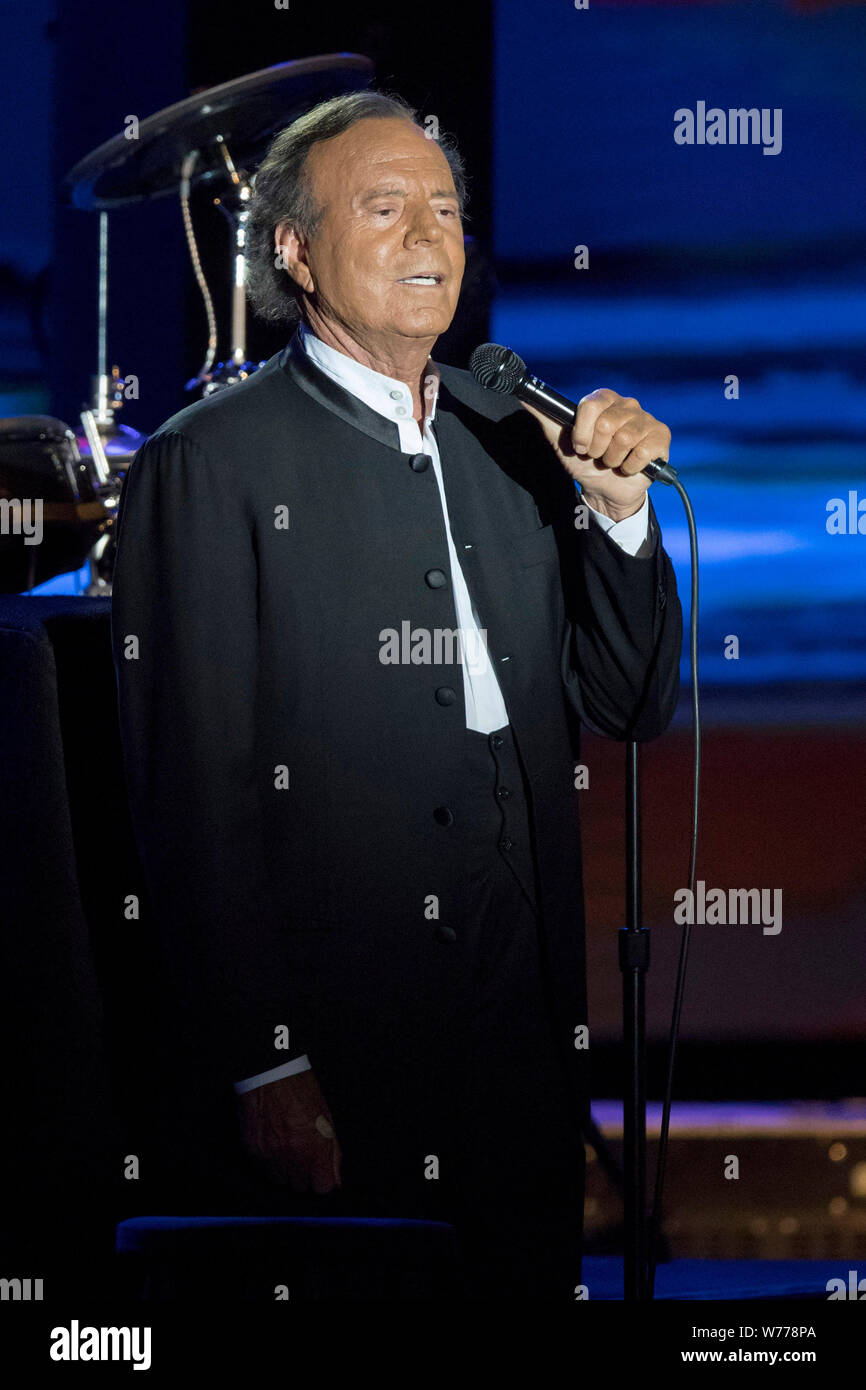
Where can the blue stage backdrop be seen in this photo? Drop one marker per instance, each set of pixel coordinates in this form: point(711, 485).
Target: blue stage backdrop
point(723, 284)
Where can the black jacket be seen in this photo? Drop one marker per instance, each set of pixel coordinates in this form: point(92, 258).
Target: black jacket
point(258, 663)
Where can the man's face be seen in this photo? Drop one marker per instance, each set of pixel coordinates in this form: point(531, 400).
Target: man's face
point(390, 213)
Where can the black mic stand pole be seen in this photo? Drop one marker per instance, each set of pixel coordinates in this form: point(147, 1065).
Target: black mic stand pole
point(634, 963)
point(500, 369)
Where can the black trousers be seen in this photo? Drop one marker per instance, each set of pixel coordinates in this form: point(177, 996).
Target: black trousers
point(479, 1127)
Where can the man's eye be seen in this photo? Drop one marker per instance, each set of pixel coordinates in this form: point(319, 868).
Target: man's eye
point(383, 212)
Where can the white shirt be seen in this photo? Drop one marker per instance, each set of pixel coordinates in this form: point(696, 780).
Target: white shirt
point(485, 707)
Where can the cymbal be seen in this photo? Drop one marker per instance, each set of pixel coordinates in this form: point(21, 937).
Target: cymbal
point(120, 442)
point(246, 112)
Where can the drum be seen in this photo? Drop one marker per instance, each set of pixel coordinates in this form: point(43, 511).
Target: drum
point(53, 508)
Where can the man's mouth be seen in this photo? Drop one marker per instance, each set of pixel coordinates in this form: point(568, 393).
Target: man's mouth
point(421, 280)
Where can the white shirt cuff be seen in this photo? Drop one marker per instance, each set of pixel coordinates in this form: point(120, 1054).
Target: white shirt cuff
point(297, 1064)
point(630, 533)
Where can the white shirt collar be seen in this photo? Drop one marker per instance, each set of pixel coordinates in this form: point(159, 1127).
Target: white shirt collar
point(384, 394)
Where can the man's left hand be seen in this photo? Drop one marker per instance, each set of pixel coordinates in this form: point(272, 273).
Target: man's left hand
point(611, 441)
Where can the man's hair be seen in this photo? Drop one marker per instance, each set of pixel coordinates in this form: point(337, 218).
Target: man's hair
point(283, 191)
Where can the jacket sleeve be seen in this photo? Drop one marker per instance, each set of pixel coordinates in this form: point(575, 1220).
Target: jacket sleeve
point(185, 644)
point(621, 656)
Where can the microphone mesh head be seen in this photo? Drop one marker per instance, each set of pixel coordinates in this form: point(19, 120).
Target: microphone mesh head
point(497, 367)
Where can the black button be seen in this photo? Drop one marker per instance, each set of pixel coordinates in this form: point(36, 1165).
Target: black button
point(497, 741)
point(443, 816)
point(444, 933)
point(419, 462)
point(445, 695)
point(503, 792)
point(506, 844)
point(436, 579)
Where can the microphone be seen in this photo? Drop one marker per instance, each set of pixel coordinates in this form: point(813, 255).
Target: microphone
point(500, 369)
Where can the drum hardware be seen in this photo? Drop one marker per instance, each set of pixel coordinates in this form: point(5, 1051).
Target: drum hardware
point(235, 207)
point(211, 138)
point(119, 442)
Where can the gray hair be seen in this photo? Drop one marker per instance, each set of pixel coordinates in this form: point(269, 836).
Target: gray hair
point(283, 192)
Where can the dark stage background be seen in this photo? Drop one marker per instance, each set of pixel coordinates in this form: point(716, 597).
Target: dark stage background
point(704, 262)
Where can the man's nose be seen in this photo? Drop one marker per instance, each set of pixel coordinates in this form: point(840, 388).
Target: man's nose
point(422, 225)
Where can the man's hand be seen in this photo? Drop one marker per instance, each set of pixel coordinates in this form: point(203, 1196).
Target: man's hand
point(287, 1129)
point(611, 441)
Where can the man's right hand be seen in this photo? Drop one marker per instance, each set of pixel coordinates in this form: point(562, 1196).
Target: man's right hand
point(287, 1129)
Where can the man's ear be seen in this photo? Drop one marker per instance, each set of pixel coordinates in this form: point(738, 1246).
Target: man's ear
point(290, 254)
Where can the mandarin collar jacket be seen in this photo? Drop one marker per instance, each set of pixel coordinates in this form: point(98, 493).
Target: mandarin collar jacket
point(282, 779)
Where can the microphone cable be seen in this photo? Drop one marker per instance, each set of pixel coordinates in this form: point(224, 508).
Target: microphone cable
point(679, 991)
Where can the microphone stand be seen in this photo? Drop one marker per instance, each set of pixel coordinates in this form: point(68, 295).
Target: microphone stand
point(634, 962)
point(499, 369)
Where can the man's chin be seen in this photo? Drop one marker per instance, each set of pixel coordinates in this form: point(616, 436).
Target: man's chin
point(422, 325)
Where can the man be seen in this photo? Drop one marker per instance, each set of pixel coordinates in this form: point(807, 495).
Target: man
point(359, 616)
